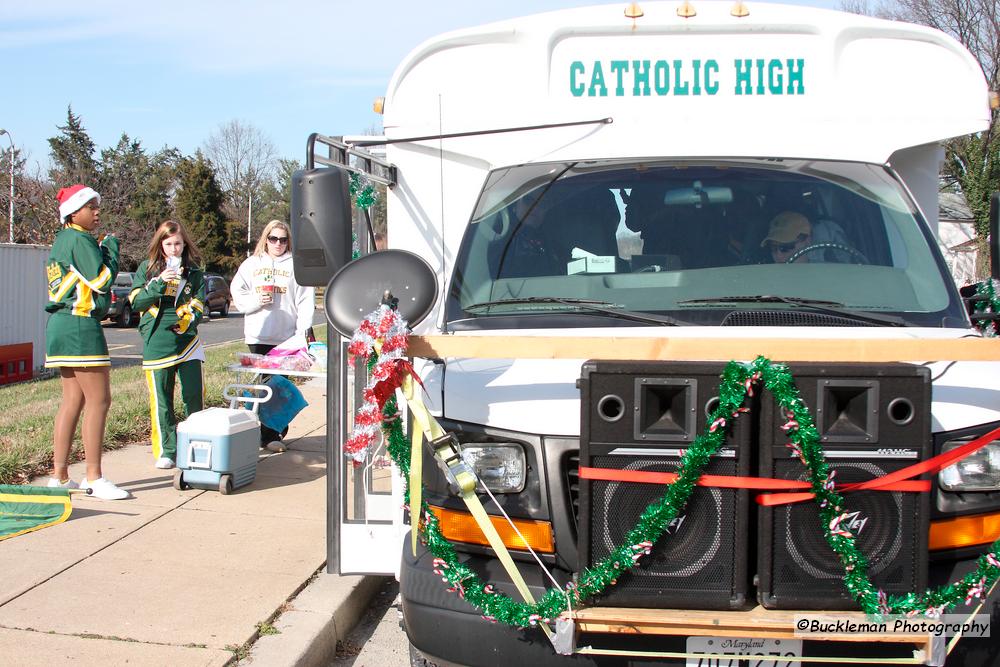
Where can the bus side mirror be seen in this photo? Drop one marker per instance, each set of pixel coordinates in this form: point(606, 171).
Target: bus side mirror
point(995, 235)
point(321, 224)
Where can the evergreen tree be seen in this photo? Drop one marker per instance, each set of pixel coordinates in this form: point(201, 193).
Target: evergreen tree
point(150, 205)
point(134, 189)
point(198, 205)
point(72, 153)
point(237, 248)
point(276, 197)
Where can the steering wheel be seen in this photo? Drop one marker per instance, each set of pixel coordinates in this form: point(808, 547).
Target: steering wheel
point(855, 254)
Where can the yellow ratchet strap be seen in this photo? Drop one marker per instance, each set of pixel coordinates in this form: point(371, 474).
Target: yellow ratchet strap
point(425, 423)
point(446, 451)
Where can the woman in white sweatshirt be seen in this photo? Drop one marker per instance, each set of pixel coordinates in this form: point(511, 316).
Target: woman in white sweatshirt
point(274, 306)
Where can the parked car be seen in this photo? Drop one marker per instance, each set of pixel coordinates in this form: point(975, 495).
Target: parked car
point(121, 309)
point(218, 298)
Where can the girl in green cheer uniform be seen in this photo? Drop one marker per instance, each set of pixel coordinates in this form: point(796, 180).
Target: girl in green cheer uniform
point(169, 291)
point(79, 274)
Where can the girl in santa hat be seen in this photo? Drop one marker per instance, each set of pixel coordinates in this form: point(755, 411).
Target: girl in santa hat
point(169, 291)
point(79, 274)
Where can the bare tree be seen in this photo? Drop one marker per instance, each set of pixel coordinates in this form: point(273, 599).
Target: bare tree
point(37, 209)
point(244, 160)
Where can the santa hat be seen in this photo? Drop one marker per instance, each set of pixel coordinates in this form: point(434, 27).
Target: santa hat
point(73, 198)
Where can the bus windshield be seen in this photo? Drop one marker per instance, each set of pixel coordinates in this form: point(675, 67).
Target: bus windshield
point(721, 242)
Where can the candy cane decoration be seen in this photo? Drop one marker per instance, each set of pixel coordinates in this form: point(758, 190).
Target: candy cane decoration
point(835, 528)
point(976, 591)
point(386, 325)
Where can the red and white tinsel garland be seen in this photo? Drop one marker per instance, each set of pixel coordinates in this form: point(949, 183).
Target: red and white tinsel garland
point(390, 369)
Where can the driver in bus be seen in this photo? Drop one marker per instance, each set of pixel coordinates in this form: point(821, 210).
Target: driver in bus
point(788, 233)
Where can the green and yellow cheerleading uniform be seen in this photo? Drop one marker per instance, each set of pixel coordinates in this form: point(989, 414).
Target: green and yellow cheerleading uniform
point(79, 274)
point(167, 355)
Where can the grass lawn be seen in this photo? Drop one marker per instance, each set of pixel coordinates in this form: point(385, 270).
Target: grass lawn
point(28, 409)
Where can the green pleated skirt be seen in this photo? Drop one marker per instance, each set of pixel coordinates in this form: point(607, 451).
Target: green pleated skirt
point(74, 341)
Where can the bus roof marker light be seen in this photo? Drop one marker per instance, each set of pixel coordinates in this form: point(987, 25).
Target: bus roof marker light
point(739, 10)
point(686, 10)
point(378, 106)
point(633, 11)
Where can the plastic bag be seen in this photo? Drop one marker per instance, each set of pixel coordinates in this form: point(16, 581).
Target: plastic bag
point(291, 359)
point(318, 352)
point(300, 361)
point(286, 402)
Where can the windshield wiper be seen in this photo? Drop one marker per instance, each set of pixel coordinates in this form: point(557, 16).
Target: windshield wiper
point(814, 305)
point(591, 305)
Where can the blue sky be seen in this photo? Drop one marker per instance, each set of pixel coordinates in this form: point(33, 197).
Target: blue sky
point(170, 73)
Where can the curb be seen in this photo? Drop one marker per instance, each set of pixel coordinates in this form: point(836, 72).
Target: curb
point(322, 614)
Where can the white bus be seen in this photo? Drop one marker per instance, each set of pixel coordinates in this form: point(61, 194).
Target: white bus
point(615, 202)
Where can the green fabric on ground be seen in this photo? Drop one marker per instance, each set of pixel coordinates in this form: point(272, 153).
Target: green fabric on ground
point(27, 508)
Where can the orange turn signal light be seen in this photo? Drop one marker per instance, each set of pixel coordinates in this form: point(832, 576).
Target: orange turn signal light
point(964, 531)
point(462, 527)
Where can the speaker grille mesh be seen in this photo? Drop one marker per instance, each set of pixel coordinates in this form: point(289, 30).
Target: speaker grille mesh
point(693, 558)
point(881, 521)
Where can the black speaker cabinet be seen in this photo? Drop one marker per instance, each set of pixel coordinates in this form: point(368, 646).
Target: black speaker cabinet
point(642, 416)
point(321, 224)
point(872, 420)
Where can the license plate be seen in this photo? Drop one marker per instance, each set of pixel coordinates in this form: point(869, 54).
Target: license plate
point(746, 652)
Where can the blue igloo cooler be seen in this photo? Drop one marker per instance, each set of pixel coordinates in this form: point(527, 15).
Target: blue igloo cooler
point(217, 448)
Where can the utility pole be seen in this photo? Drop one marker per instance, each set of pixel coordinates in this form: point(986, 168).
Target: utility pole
point(10, 227)
point(249, 218)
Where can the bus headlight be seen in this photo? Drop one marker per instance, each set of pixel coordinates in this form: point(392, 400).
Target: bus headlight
point(979, 471)
point(501, 467)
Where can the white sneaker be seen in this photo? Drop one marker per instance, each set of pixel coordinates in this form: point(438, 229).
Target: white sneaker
point(164, 463)
point(56, 484)
point(103, 489)
point(276, 446)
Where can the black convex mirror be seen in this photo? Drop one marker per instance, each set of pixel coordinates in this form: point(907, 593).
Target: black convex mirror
point(321, 224)
point(358, 288)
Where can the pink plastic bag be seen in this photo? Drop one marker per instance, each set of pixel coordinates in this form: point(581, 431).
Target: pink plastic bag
point(290, 360)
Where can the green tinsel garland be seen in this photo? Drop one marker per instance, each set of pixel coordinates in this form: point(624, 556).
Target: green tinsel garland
point(987, 303)
point(364, 195)
point(738, 380)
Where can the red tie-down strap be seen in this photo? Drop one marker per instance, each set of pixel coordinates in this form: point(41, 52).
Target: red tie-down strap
point(900, 480)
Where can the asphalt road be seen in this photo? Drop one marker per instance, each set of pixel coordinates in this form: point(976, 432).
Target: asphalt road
point(377, 640)
point(125, 345)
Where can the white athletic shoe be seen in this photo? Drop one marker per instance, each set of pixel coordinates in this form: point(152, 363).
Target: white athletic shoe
point(276, 446)
point(56, 484)
point(164, 463)
point(103, 489)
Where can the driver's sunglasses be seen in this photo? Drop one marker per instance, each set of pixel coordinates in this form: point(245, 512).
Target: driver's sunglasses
point(788, 247)
point(278, 239)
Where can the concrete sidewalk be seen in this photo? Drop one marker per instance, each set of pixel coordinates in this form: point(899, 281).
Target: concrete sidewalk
point(185, 577)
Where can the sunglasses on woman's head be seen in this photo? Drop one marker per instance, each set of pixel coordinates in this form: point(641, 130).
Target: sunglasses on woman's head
point(278, 239)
